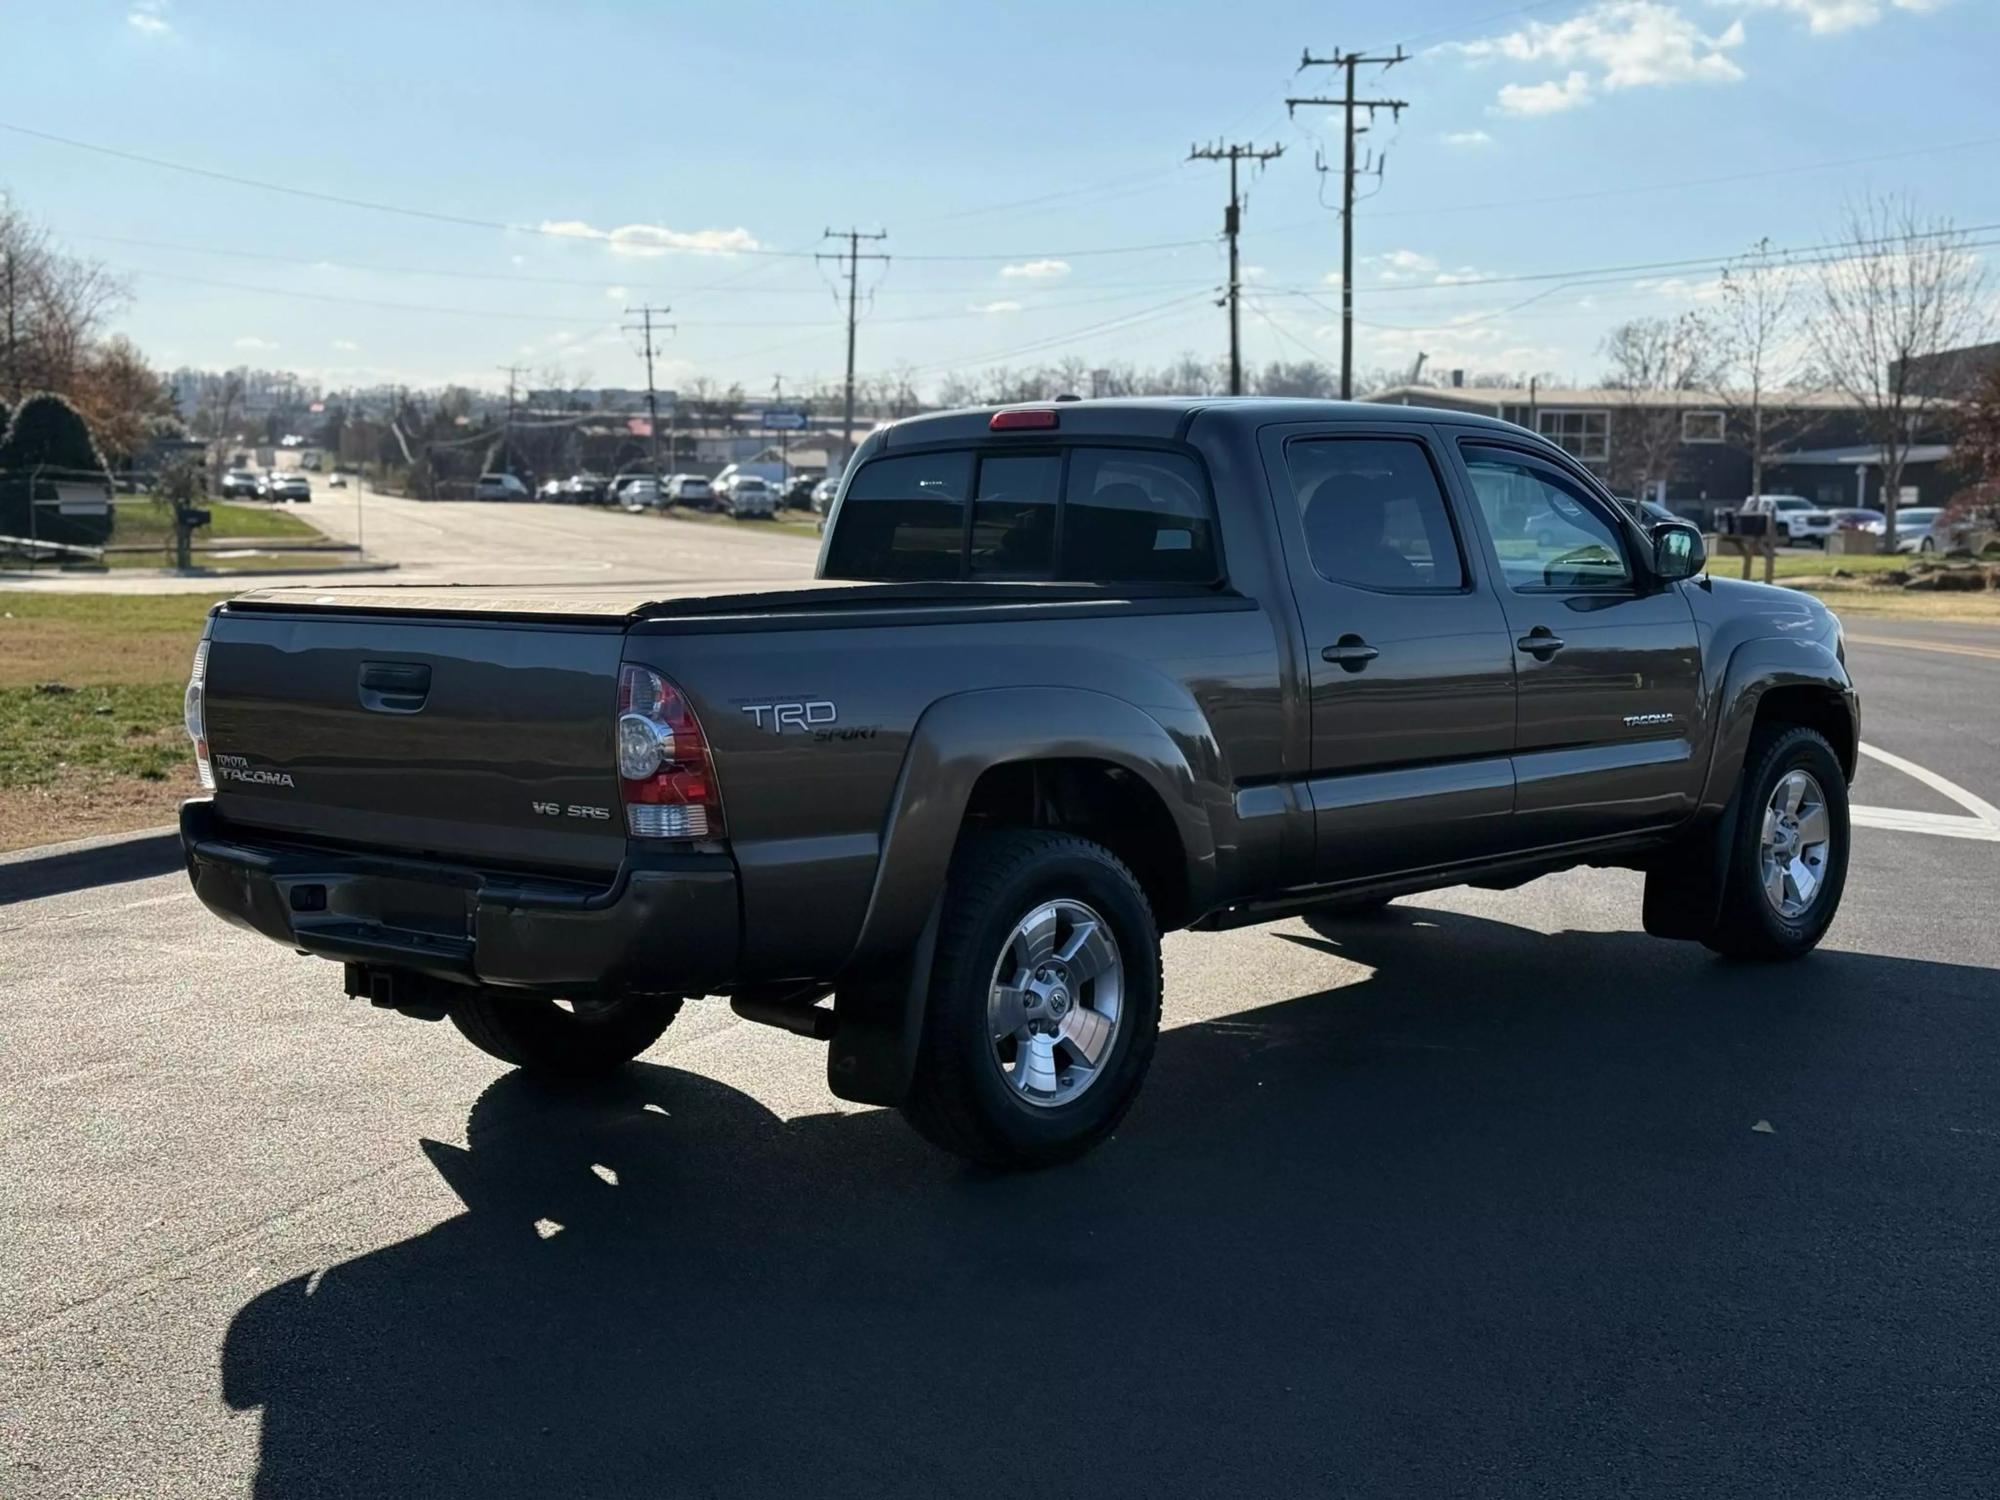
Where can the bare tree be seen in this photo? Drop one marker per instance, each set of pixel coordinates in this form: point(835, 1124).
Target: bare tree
point(1651, 360)
point(1900, 287)
point(52, 307)
point(1760, 347)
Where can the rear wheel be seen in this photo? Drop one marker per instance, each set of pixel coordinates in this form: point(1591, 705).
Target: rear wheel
point(1044, 1004)
point(1788, 856)
point(563, 1038)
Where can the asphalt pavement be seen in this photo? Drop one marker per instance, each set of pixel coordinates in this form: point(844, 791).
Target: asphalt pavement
point(1493, 1195)
point(522, 542)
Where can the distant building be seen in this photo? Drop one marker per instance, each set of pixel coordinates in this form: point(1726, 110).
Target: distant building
point(1953, 373)
point(1817, 441)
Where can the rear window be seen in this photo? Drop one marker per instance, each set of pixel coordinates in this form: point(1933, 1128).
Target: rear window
point(1095, 515)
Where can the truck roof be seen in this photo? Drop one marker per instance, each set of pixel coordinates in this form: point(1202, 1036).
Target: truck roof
point(1167, 417)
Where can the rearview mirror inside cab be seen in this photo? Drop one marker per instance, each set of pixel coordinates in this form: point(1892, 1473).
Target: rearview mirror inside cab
point(1677, 550)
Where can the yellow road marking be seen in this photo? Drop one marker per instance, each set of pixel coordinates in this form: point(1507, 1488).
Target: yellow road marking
point(1991, 653)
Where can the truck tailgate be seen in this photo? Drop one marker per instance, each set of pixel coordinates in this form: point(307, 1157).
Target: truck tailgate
point(484, 740)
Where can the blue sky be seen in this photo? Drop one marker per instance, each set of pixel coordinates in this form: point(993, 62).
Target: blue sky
point(663, 152)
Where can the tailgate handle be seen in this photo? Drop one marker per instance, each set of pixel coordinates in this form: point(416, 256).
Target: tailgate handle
point(395, 687)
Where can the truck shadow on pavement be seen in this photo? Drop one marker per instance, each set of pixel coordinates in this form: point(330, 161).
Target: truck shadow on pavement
point(1493, 1217)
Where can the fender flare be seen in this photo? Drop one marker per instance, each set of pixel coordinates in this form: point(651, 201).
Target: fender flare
point(880, 997)
point(1755, 668)
point(960, 738)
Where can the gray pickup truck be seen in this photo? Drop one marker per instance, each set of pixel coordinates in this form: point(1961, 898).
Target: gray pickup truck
point(1070, 676)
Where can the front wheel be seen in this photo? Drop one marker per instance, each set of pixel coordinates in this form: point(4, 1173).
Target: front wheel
point(1044, 1004)
point(1788, 855)
point(562, 1038)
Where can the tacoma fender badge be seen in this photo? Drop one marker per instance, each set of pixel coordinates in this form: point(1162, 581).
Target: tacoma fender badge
point(1638, 721)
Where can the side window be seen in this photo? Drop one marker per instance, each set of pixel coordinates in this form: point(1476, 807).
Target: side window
point(1374, 513)
point(1136, 516)
point(1014, 514)
point(1548, 533)
point(903, 519)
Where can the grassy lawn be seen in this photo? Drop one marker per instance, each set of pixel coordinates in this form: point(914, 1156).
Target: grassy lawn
point(1818, 565)
point(141, 523)
point(90, 712)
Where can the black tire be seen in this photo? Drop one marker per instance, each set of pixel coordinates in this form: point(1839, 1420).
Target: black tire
point(1748, 925)
point(545, 1037)
point(960, 1099)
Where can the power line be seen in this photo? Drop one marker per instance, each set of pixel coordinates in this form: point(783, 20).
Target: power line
point(1665, 187)
point(371, 205)
point(1348, 62)
point(854, 257)
point(1803, 255)
point(1232, 224)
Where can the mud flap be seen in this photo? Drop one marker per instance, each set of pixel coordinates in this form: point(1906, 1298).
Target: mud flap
point(1684, 888)
point(878, 1021)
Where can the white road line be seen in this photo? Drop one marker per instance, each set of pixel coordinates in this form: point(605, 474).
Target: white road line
point(1983, 825)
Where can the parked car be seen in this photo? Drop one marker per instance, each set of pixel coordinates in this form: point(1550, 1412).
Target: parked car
point(1856, 518)
point(500, 487)
point(239, 484)
point(797, 495)
point(966, 812)
point(689, 489)
point(749, 495)
point(337, 482)
point(291, 486)
point(823, 493)
point(586, 488)
point(1917, 529)
point(264, 484)
point(1796, 518)
point(552, 491)
point(641, 493)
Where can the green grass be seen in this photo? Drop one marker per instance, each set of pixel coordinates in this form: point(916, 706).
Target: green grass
point(115, 730)
point(98, 639)
point(142, 523)
point(1818, 565)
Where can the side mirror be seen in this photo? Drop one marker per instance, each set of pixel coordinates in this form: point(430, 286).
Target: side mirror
point(1677, 550)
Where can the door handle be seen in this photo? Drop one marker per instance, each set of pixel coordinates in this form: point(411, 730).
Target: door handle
point(1350, 653)
point(1540, 643)
point(394, 687)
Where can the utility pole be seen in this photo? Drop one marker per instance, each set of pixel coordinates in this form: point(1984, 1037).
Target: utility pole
point(645, 325)
point(1232, 223)
point(512, 372)
point(853, 257)
point(1348, 104)
point(784, 436)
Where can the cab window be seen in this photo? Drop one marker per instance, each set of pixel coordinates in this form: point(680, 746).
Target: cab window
point(1374, 514)
point(903, 518)
point(1548, 530)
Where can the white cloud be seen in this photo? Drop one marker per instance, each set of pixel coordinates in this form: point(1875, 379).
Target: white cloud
point(1254, 273)
point(149, 18)
point(1611, 45)
point(1549, 98)
point(346, 346)
point(1037, 270)
point(617, 293)
point(1823, 17)
point(994, 307)
point(564, 337)
point(655, 239)
point(251, 342)
point(1466, 138)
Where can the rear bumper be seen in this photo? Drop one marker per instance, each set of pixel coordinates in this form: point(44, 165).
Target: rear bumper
point(666, 924)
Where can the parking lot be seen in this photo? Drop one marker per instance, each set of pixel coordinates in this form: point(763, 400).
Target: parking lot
point(1494, 1193)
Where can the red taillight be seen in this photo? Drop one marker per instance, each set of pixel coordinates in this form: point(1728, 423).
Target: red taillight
point(665, 777)
point(1018, 420)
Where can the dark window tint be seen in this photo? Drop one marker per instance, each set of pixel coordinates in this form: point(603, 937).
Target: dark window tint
point(1374, 513)
point(903, 518)
point(1014, 514)
point(1548, 532)
point(1136, 516)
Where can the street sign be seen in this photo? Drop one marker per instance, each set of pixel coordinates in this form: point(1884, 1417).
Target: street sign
point(782, 418)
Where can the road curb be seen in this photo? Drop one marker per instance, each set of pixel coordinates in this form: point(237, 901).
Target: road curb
point(110, 859)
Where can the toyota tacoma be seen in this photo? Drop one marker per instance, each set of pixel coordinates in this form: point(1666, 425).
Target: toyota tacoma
point(1069, 676)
